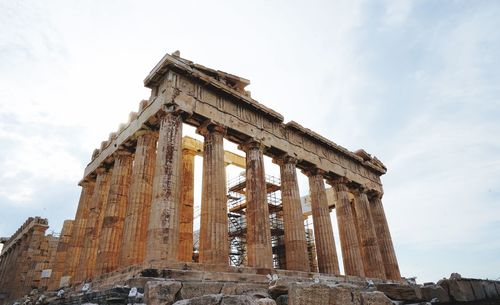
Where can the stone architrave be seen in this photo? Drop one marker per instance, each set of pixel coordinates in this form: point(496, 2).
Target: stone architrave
point(214, 243)
point(97, 205)
point(76, 243)
point(323, 231)
point(259, 249)
point(186, 211)
point(295, 235)
point(110, 238)
point(139, 200)
point(351, 252)
point(383, 233)
point(163, 229)
point(370, 252)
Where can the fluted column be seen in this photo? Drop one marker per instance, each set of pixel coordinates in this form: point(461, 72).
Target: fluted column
point(351, 252)
point(76, 243)
point(370, 252)
point(214, 244)
point(61, 254)
point(384, 239)
point(295, 235)
point(186, 213)
point(139, 200)
point(328, 261)
point(93, 225)
point(163, 229)
point(110, 239)
point(259, 248)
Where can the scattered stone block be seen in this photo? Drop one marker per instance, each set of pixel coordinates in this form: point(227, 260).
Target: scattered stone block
point(344, 294)
point(307, 294)
point(238, 300)
point(478, 290)
point(244, 288)
point(461, 290)
point(161, 292)
point(191, 290)
point(431, 292)
point(211, 299)
point(373, 298)
point(490, 290)
point(400, 292)
point(266, 301)
point(282, 300)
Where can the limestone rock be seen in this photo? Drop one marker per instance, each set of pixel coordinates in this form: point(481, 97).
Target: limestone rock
point(374, 298)
point(279, 286)
point(344, 294)
point(191, 290)
point(490, 290)
point(399, 292)
point(238, 300)
point(161, 292)
point(431, 292)
point(210, 299)
point(307, 294)
point(455, 276)
point(478, 290)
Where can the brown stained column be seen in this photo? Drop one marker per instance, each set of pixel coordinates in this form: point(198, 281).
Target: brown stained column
point(97, 205)
point(110, 238)
point(328, 261)
point(163, 230)
point(214, 244)
point(76, 243)
point(384, 238)
point(351, 252)
point(186, 210)
point(370, 252)
point(295, 235)
point(259, 249)
point(61, 254)
point(139, 201)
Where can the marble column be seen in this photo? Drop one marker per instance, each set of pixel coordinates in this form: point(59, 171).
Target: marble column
point(163, 228)
point(214, 244)
point(328, 261)
point(139, 200)
point(370, 252)
point(351, 252)
point(76, 243)
point(61, 254)
point(110, 239)
point(259, 248)
point(384, 238)
point(97, 205)
point(293, 219)
point(186, 211)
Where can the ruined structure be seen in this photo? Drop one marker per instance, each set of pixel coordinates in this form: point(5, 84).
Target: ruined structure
point(136, 204)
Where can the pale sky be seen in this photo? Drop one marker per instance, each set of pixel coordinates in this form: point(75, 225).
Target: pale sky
point(415, 83)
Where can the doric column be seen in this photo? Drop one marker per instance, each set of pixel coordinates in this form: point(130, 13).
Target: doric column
point(295, 235)
point(384, 238)
point(259, 249)
point(370, 252)
point(163, 229)
point(186, 211)
point(61, 254)
point(214, 244)
point(328, 261)
point(139, 200)
point(351, 252)
point(111, 235)
point(76, 242)
point(93, 225)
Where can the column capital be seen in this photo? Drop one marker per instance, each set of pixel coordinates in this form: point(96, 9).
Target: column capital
point(313, 171)
point(251, 144)
point(285, 159)
point(359, 189)
point(210, 126)
point(101, 170)
point(122, 153)
point(146, 131)
point(372, 194)
point(86, 181)
point(189, 152)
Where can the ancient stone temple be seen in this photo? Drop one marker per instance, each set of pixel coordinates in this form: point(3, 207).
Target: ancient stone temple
point(136, 203)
